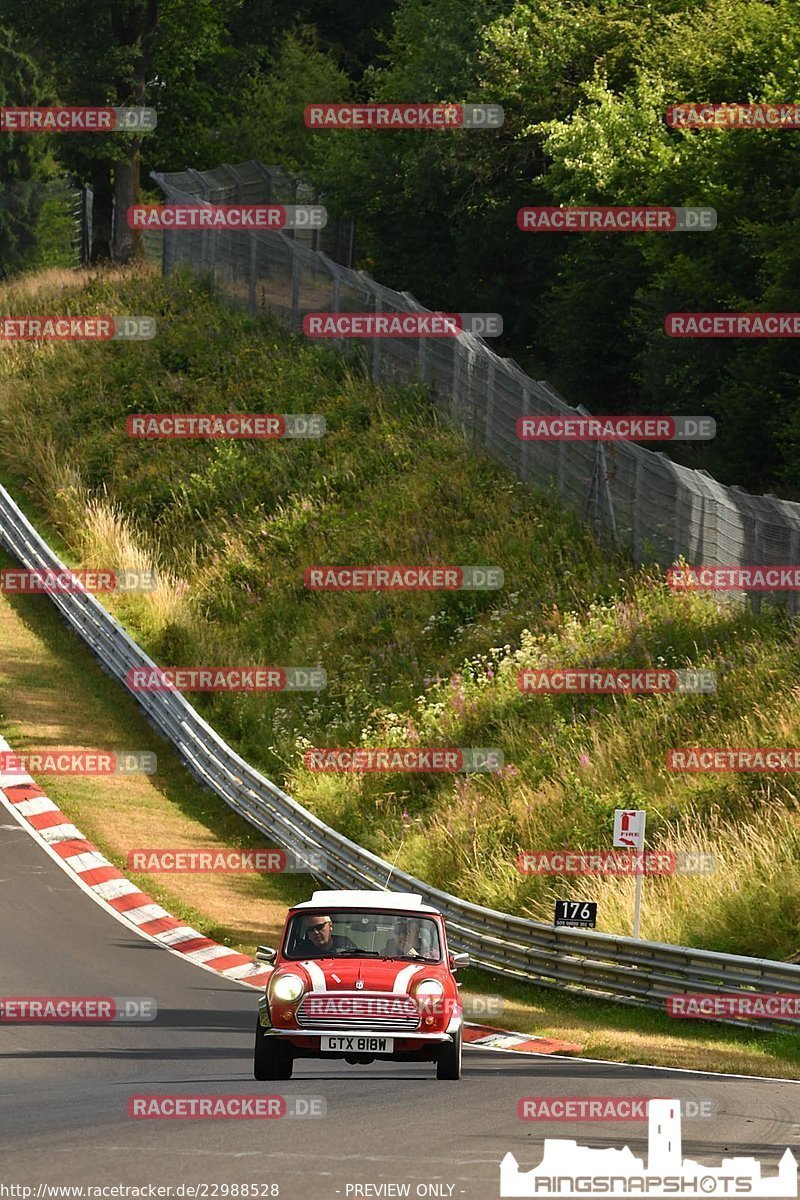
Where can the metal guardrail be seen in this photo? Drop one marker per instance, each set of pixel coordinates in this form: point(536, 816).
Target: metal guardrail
point(620, 969)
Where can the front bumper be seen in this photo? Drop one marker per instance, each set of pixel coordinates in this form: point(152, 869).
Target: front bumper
point(310, 1035)
point(405, 1040)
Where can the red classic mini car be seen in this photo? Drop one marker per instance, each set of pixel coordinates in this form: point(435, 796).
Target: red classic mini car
point(360, 976)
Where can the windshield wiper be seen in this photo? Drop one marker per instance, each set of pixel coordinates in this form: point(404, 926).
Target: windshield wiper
point(406, 958)
point(356, 954)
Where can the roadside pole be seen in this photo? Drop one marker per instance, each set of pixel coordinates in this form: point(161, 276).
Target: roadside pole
point(629, 830)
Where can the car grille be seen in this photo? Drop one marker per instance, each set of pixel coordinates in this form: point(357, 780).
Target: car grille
point(384, 1011)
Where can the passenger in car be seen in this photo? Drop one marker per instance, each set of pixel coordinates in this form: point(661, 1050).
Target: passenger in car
point(409, 940)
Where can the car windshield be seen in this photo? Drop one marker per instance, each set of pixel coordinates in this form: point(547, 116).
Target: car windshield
point(362, 934)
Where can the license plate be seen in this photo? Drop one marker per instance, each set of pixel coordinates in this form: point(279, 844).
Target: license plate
point(355, 1043)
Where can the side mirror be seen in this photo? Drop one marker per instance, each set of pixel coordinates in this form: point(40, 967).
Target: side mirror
point(266, 954)
point(458, 960)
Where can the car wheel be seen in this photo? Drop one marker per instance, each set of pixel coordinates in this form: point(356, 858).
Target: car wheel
point(271, 1059)
point(448, 1062)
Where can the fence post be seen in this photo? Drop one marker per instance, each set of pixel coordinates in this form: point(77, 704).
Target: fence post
point(677, 548)
point(252, 276)
point(758, 543)
point(213, 238)
point(488, 429)
point(636, 516)
point(377, 307)
point(295, 288)
point(794, 551)
point(524, 465)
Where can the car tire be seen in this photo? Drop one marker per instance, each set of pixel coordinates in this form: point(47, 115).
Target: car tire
point(271, 1059)
point(448, 1062)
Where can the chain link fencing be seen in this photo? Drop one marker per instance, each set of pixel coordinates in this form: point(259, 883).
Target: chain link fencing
point(636, 499)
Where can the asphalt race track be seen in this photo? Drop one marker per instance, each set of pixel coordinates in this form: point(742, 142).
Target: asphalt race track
point(64, 1090)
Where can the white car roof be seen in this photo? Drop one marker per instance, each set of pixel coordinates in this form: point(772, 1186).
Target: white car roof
point(386, 901)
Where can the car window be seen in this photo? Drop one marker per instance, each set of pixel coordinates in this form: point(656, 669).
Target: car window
point(362, 934)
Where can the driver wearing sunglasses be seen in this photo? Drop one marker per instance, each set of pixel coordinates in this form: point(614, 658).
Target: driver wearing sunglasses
point(319, 940)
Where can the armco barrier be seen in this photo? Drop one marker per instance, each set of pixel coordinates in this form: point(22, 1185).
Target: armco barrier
point(611, 968)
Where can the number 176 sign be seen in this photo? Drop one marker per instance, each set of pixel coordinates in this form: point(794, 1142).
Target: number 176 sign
point(575, 914)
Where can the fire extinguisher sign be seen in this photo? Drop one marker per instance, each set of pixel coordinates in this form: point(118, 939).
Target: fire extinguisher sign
point(629, 827)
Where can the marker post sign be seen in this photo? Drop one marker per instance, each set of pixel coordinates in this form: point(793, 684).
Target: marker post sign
point(575, 914)
point(629, 827)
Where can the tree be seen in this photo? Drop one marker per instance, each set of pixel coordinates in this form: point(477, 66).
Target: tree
point(125, 54)
point(26, 166)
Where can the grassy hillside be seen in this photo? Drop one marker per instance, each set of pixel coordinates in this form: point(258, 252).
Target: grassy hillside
point(232, 526)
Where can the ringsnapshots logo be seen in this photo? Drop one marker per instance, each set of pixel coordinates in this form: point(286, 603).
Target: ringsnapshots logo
point(733, 116)
point(241, 218)
point(568, 1169)
point(77, 1010)
point(227, 679)
point(393, 115)
point(226, 425)
point(78, 762)
point(616, 219)
point(77, 120)
point(569, 680)
point(732, 325)
point(754, 578)
point(400, 325)
point(403, 579)
point(225, 1108)
point(404, 759)
point(23, 582)
point(615, 429)
point(77, 329)
point(226, 860)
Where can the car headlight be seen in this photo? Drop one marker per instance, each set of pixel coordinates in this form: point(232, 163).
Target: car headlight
point(429, 987)
point(287, 988)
